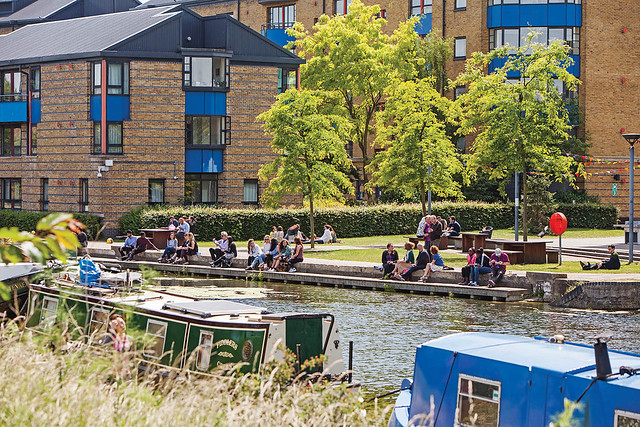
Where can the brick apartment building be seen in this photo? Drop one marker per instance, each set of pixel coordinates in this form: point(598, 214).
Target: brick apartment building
point(104, 113)
point(604, 36)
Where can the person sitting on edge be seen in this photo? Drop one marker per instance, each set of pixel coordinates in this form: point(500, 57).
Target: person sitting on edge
point(189, 247)
point(498, 263)
point(421, 262)
point(261, 259)
point(129, 244)
point(171, 249)
point(173, 223)
point(297, 256)
point(183, 229)
point(389, 259)
point(326, 235)
point(222, 246)
point(613, 263)
point(279, 234)
point(292, 232)
point(142, 244)
point(466, 270)
point(225, 259)
point(481, 266)
point(192, 224)
point(406, 262)
point(253, 252)
point(436, 231)
point(437, 264)
point(283, 255)
point(453, 228)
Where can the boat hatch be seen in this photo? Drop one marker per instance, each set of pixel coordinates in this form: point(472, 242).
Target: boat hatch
point(208, 308)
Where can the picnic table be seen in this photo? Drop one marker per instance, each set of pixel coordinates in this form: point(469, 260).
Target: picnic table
point(534, 251)
point(473, 240)
point(158, 236)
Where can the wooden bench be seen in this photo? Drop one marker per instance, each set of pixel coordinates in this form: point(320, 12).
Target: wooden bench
point(444, 241)
point(456, 241)
point(553, 256)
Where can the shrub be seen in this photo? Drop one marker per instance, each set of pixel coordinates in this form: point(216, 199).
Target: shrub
point(26, 221)
point(589, 215)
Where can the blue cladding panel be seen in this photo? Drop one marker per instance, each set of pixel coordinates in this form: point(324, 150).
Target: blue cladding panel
point(117, 108)
point(205, 103)
point(423, 26)
point(203, 161)
point(13, 112)
point(558, 15)
point(279, 36)
point(36, 111)
point(575, 68)
point(510, 15)
point(534, 15)
point(494, 17)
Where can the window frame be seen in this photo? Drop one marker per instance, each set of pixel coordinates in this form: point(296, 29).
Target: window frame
point(164, 326)
point(201, 177)
point(455, 42)
point(485, 381)
point(125, 78)
point(459, 91)
point(284, 76)
point(93, 333)
point(250, 181)
point(14, 150)
point(111, 148)
point(573, 43)
point(84, 195)
point(187, 74)
point(345, 7)
point(33, 87)
point(204, 350)
point(282, 12)
point(15, 82)
point(457, 7)
point(225, 131)
point(627, 414)
point(44, 194)
point(34, 140)
point(156, 181)
point(7, 201)
point(423, 7)
point(50, 319)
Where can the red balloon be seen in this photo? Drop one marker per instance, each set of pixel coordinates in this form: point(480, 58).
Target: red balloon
point(558, 223)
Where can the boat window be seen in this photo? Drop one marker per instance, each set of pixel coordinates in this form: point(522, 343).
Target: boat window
point(157, 331)
point(98, 324)
point(49, 312)
point(478, 402)
point(626, 419)
point(204, 350)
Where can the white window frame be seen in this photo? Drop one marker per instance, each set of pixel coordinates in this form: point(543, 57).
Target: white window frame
point(462, 377)
point(164, 325)
point(460, 5)
point(455, 48)
point(48, 320)
point(92, 334)
point(204, 352)
point(619, 413)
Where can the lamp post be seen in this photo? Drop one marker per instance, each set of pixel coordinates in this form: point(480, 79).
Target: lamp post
point(631, 138)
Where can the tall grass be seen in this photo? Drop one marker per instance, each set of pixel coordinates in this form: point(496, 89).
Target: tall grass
point(47, 381)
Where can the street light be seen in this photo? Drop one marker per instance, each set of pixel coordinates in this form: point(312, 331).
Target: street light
point(631, 138)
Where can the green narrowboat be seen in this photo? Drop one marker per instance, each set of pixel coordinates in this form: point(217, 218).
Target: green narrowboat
point(16, 278)
point(187, 333)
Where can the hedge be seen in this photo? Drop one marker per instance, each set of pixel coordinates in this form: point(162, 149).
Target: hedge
point(26, 221)
point(370, 220)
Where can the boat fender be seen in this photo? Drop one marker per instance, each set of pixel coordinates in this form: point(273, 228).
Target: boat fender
point(557, 339)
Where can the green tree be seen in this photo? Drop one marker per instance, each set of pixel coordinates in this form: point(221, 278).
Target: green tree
point(351, 55)
point(310, 142)
point(522, 124)
point(434, 53)
point(540, 200)
point(415, 139)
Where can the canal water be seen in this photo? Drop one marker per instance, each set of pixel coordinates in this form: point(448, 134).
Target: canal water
point(386, 327)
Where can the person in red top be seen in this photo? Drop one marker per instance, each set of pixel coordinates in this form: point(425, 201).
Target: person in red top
point(498, 263)
point(142, 244)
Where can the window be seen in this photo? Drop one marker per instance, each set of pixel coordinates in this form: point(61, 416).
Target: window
point(114, 138)
point(342, 6)
point(516, 37)
point(206, 72)
point(34, 79)
point(287, 79)
point(157, 331)
point(34, 140)
point(84, 195)
point(461, 144)
point(382, 14)
point(460, 48)
point(98, 324)
point(156, 191)
point(208, 130)
point(11, 140)
point(460, 5)
point(349, 148)
point(420, 7)
point(282, 16)
point(459, 90)
point(626, 419)
point(117, 78)
point(251, 191)
point(44, 192)
point(204, 350)
point(12, 194)
point(49, 312)
point(201, 188)
point(11, 86)
point(478, 401)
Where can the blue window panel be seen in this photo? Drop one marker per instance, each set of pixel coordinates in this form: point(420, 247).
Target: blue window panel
point(205, 103)
point(203, 161)
point(510, 15)
point(574, 15)
point(423, 26)
point(557, 15)
point(279, 36)
point(36, 111)
point(533, 15)
point(117, 108)
point(494, 17)
point(575, 68)
point(15, 111)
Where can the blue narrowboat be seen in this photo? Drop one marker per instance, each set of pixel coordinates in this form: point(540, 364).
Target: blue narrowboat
point(484, 379)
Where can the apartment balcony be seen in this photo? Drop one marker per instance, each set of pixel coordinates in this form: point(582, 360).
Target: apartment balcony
point(277, 32)
point(13, 108)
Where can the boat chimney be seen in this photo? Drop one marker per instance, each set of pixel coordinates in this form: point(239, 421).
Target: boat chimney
point(603, 366)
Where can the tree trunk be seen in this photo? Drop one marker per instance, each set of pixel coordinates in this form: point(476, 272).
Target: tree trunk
point(312, 235)
point(524, 205)
point(423, 198)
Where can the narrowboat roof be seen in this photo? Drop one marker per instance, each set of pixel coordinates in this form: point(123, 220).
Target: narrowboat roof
point(21, 269)
point(568, 358)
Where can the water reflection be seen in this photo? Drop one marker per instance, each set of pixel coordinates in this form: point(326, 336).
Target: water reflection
point(386, 327)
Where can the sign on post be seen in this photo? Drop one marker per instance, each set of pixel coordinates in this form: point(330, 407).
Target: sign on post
point(614, 189)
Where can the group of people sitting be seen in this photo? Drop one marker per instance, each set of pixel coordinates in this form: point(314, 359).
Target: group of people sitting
point(275, 255)
point(395, 269)
point(432, 228)
point(480, 263)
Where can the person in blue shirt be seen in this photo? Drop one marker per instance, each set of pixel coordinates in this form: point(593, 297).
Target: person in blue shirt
point(183, 229)
point(437, 264)
point(129, 245)
point(453, 228)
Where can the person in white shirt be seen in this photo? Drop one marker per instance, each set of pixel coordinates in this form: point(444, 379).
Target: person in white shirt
point(326, 235)
point(253, 251)
point(222, 246)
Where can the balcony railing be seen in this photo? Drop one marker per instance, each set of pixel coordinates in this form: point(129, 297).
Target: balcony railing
point(12, 97)
point(276, 26)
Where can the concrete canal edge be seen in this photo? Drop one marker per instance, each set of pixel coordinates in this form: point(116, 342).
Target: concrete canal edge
point(604, 295)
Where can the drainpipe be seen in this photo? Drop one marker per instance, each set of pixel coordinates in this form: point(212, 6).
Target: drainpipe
point(238, 10)
point(444, 22)
point(324, 7)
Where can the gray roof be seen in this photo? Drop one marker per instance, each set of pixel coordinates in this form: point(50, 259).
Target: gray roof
point(80, 36)
point(38, 10)
point(156, 3)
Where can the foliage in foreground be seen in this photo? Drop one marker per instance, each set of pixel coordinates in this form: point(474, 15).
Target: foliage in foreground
point(79, 386)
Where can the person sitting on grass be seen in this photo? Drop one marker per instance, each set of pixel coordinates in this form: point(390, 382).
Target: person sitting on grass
point(421, 262)
point(171, 249)
point(297, 256)
point(389, 259)
point(284, 253)
point(326, 235)
point(613, 263)
point(189, 247)
point(406, 262)
point(142, 243)
point(466, 270)
point(498, 263)
point(229, 254)
point(437, 264)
